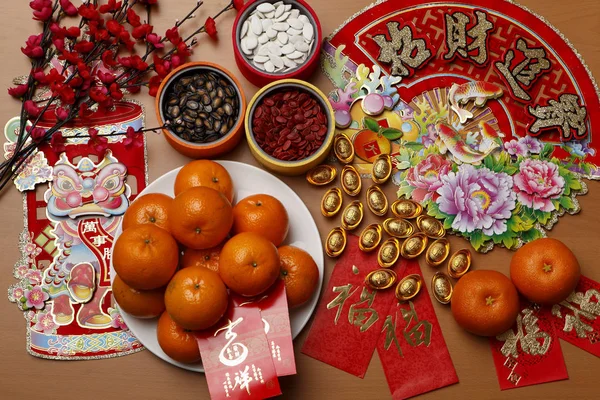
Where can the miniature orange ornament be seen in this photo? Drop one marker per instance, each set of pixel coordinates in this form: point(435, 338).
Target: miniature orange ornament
point(200, 218)
point(545, 271)
point(249, 264)
point(262, 214)
point(145, 257)
point(178, 343)
point(485, 303)
point(151, 208)
point(204, 173)
point(196, 298)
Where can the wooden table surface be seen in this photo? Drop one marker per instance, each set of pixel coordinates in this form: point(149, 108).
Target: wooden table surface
point(143, 375)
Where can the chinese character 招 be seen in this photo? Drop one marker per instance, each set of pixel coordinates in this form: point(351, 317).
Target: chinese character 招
point(588, 309)
point(528, 334)
point(524, 74)
point(344, 293)
point(468, 44)
point(363, 317)
point(420, 332)
point(402, 51)
point(566, 114)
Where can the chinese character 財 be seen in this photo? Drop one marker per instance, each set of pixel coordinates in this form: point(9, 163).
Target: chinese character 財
point(588, 309)
point(344, 294)
point(457, 37)
point(566, 114)
point(402, 51)
point(532, 340)
point(420, 332)
point(524, 74)
point(363, 317)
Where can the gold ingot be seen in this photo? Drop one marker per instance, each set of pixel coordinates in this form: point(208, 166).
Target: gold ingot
point(389, 252)
point(351, 182)
point(414, 246)
point(437, 252)
point(431, 227)
point(398, 227)
point(459, 263)
point(409, 287)
point(377, 201)
point(321, 175)
point(352, 215)
point(408, 209)
point(336, 242)
point(441, 287)
point(370, 238)
point(343, 149)
point(382, 168)
point(332, 202)
point(381, 279)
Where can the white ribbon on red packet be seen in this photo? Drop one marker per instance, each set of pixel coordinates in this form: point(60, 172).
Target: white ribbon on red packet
point(275, 315)
point(237, 358)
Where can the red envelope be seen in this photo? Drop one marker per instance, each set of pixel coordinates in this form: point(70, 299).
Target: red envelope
point(577, 319)
point(411, 347)
point(275, 315)
point(350, 315)
point(529, 353)
point(236, 357)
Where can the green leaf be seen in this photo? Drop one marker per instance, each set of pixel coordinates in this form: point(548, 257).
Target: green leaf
point(391, 133)
point(448, 222)
point(547, 150)
point(477, 239)
point(586, 168)
point(531, 235)
point(413, 146)
point(434, 210)
point(542, 217)
point(567, 203)
point(405, 191)
point(508, 242)
point(516, 223)
point(371, 124)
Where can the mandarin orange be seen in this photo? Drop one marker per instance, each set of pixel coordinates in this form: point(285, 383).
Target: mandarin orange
point(145, 257)
point(178, 343)
point(139, 303)
point(249, 264)
point(204, 173)
point(200, 218)
point(262, 214)
point(196, 298)
point(485, 303)
point(148, 209)
point(208, 258)
point(545, 271)
point(300, 274)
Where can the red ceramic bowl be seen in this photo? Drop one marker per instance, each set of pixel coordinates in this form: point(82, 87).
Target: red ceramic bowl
point(201, 150)
point(263, 78)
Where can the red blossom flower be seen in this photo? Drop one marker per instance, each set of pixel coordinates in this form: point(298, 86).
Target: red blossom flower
point(134, 62)
point(72, 58)
point(43, 15)
point(18, 91)
point(111, 7)
point(89, 11)
point(84, 71)
point(99, 94)
point(155, 41)
point(32, 109)
point(106, 77)
point(173, 36)
point(59, 44)
point(61, 113)
point(58, 142)
point(54, 76)
point(141, 31)
point(65, 93)
point(108, 58)
point(183, 50)
point(32, 47)
point(238, 4)
point(97, 143)
point(133, 19)
point(84, 47)
point(176, 61)
point(68, 7)
point(39, 5)
point(133, 138)
point(37, 134)
point(153, 85)
point(115, 92)
point(114, 27)
point(211, 27)
point(161, 66)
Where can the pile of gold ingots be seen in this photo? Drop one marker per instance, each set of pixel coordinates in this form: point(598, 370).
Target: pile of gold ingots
point(420, 233)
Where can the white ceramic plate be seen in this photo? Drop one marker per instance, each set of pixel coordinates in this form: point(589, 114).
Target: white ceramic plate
point(303, 233)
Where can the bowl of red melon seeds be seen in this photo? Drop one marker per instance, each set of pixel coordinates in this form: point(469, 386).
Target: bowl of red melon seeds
point(290, 126)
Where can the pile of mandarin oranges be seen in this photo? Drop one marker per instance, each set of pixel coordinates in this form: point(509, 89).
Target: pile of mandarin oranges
point(180, 258)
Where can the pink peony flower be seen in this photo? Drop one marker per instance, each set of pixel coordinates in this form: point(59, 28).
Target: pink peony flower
point(34, 276)
point(537, 183)
point(478, 198)
point(533, 145)
point(516, 148)
point(425, 176)
point(35, 298)
point(45, 323)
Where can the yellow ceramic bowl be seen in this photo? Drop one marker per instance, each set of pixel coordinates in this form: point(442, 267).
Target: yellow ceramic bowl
point(290, 167)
